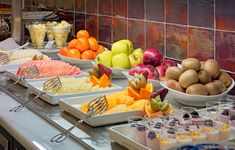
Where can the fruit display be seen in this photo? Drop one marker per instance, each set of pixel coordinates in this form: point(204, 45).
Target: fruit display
point(22, 56)
point(196, 79)
point(154, 63)
point(121, 50)
point(132, 98)
point(84, 47)
point(158, 106)
point(50, 68)
point(187, 128)
point(50, 34)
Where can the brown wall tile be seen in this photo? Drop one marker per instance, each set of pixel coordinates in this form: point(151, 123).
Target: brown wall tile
point(105, 27)
point(201, 43)
point(79, 22)
point(201, 13)
point(155, 36)
point(92, 6)
point(176, 41)
point(119, 29)
point(176, 11)
point(136, 9)
point(155, 10)
point(80, 5)
point(92, 25)
point(136, 33)
point(105, 7)
point(225, 14)
point(120, 8)
point(225, 50)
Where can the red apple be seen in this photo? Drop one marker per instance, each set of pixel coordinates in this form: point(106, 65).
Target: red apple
point(168, 63)
point(152, 57)
point(161, 70)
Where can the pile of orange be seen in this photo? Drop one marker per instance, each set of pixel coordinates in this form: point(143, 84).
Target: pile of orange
point(83, 47)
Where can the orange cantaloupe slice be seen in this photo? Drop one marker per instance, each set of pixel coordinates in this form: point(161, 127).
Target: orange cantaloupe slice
point(103, 81)
point(143, 93)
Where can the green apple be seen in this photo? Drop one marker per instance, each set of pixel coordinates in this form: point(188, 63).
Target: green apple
point(135, 59)
point(104, 58)
point(139, 51)
point(120, 47)
point(121, 61)
point(129, 43)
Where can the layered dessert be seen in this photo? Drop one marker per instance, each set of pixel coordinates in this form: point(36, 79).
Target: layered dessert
point(184, 139)
point(198, 136)
point(153, 136)
point(224, 132)
point(224, 116)
point(166, 143)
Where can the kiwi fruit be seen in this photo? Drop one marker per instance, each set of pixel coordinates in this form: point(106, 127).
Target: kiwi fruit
point(220, 85)
point(173, 73)
point(225, 78)
point(212, 67)
point(202, 64)
point(191, 63)
point(197, 89)
point(204, 76)
point(212, 88)
point(174, 85)
point(188, 78)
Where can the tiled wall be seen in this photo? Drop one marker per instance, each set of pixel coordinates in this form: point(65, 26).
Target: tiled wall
point(179, 28)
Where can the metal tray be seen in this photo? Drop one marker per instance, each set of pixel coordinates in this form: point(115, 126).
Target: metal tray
point(72, 105)
point(121, 135)
point(36, 88)
point(4, 68)
point(11, 74)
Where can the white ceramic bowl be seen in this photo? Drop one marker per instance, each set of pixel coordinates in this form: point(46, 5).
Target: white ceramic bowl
point(156, 83)
point(195, 100)
point(78, 62)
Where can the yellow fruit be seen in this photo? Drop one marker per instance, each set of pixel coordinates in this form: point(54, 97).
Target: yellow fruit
point(138, 105)
point(116, 109)
point(84, 108)
point(112, 102)
point(124, 99)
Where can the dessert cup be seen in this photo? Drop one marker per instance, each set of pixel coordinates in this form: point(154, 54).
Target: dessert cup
point(212, 108)
point(40, 34)
point(50, 34)
point(32, 34)
point(184, 139)
point(224, 132)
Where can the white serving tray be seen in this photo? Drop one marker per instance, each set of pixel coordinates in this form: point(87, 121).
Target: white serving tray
point(36, 88)
point(72, 105)
point(120, 134)
point(11, 74)
point(4, 68)
point(156, 83)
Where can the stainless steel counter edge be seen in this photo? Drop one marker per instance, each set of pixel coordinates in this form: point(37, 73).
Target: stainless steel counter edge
point(29, 129)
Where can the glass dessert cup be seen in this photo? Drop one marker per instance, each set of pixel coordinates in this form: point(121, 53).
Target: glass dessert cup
point(32, 34)
point(212, 108)
point(166, 142)
point(61, 35)
point(225, 106)
point(210, 128)
point(40, 34)
point(137, 128)
point(188, 109)
point(50, 34)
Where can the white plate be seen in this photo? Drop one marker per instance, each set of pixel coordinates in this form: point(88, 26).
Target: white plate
point(156, 83)
point(72, 105)
point(195, 100)
point(78, 62)
point(11, 74)
point(36, 87)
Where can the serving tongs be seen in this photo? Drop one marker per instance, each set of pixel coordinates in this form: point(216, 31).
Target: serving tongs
point(96, 106)
point(3, 58)
point(29, 72)
point(51, 86)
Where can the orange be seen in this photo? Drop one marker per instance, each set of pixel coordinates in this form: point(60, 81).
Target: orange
point(100, 49)
point(146, 92)
point(83, 33)
point(93, 43)
point(88, 54)
point(95, 54)
point(64, 51)
point(133, 93)
point(73, 43)
point(94, 80)
point(82, 44)
point(104, 81)
point(74, 53)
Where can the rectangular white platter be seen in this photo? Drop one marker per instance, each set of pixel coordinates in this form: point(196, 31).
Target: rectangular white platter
point(11, 74)
point(72, 105)
point(36, 87)
point(120, 134)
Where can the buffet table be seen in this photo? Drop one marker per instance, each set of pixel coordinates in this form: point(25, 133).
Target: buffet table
point(34, 126)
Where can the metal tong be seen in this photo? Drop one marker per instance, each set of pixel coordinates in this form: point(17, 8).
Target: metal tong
point(51, 86)
point(96, 106)
point(3, 58)
point(30, 72)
